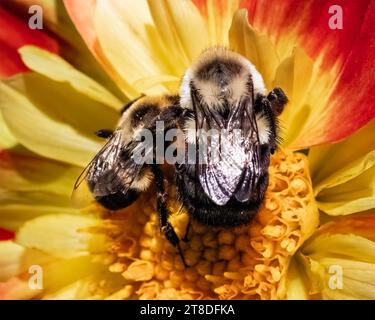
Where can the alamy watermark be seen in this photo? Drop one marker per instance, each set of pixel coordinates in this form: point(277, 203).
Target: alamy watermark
point(336, 20)
point(36, 19)
point(36, 278)
point(176, 146)
point(336, 279)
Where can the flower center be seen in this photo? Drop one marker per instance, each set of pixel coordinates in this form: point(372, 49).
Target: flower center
point(249, 262)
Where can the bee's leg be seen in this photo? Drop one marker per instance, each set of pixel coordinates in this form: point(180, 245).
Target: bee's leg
point(188, 227)
point(165, 225)
point(278, 100)
point(104, 133)
point(263, 108)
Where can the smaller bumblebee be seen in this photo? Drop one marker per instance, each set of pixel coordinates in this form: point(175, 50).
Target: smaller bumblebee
point(113, 176)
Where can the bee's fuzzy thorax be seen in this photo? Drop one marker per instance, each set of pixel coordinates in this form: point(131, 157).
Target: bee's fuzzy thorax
point(220, 75)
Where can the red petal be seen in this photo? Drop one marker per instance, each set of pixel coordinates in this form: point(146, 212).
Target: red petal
point(353, 100)
point(350, 50)
point(11, 62)
point(15, 33)
point(6, 235)
point(309, 19)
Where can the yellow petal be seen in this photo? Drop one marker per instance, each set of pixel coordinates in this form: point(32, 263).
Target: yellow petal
point(13, 216)
point(56, 68)
point(77, 290)
point(60, 274)
point(331, 165)
point(358, 279)
point(124, 36)
point(294, 76)
point(308, 89)
point(16, 259)
point(61, 235)
point(32, 186)
point(31, 173)
point(10, 255)
point(74, 278)
point(338, 261)
point(55, 276)
point(348, 246)
point(59, 125)
point(142, 85)
point(257, 47)
point(344, 181)
point(98, 284)
point(355, 195)
point(219, 19)
point(296, 287)
point(182, 29)
point(7, 140)
point(349, 259)
point(341, 279)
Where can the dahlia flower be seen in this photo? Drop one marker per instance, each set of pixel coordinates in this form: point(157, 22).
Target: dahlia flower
point(314, 237)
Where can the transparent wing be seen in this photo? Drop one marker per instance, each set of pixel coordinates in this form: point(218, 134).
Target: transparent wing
point(231, 158)
point(112, 170)
point(252, 169)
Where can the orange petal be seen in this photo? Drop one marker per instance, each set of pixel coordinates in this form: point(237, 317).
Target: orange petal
point(16, 289)
point(361, 225)
point(82, 14)
point(15, 33)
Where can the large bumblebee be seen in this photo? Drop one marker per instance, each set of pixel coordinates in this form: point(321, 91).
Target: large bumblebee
point(221, 91)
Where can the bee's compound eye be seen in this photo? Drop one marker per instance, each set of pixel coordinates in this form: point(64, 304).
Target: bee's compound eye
point(118, 200)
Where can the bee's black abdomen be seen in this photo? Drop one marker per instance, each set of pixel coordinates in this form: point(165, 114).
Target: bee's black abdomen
point(202, 209)
point(118, 200)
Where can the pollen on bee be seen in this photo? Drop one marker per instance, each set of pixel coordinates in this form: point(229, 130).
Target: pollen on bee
point(241, 263)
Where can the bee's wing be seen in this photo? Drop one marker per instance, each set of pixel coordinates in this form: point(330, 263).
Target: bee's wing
point(81, 195)
point(112, 170)
point(231, 162)
point(82, 177)
point(244, 117)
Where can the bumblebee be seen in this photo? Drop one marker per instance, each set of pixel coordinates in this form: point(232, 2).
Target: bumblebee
point(221, 91)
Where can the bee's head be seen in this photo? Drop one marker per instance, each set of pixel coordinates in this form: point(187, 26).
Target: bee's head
point(221, 78)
